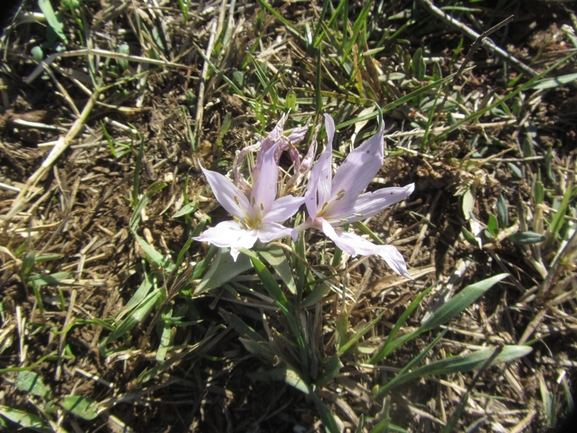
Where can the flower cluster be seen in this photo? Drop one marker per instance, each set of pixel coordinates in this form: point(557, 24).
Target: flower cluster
point(259, 210)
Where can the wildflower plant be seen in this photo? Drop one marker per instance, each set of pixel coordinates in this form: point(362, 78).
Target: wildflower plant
point(261, 203)
point(331, 202)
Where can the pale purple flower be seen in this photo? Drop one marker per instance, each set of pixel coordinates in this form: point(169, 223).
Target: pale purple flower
point(257, 216)
point(280, 142)
point(333, 201)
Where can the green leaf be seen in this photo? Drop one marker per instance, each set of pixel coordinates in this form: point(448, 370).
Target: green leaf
point(151, 190)
point(31, 382)
point(133, 319)
point(418, 65)
point(222, 270)
point(469, 237)
point(49, 280)
point(559, 218)
point(388, 347)
point(25, 419)
point(261, 348)
point(326, 415)
point(383, 390)
point(352, 340)
point(276, 257)
point(502, 212)
point(465, 363)
point(154, 256)
point(138, 297)
point(538, 190)
point(240, 327)
point(81, 406)
point(165, 337)
point(549, 83)
point(318, 293)
point(526, 238)
point(291, 100)
point(397, 102)
point(268, 281)
point(493, 225)
point(123, 48)
point(28, 264)
point(459, 302)
point(185, 210)
point(212, 336)
point(53, 21)
point(332, 368)
point(515, 170)
point(37, 53)
point(451, 425)
point(341, 328)
point(279, 17)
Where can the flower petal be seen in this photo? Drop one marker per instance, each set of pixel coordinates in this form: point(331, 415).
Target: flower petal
point(246, 240)
point(371, 203)
point(355, 173)
point(224, 234)
point(319, 185)
point(270, 231)
point(282, 209)
point(272, 139)
point(298, 134)
point(355, 245)
point(264, 187)
point(228, 195)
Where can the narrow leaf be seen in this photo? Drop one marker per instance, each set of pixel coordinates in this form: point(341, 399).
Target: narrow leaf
point(493, 225)
point(269, 282)
point(389, 346)
point(502, 212)
point(25, 419)
point(222, 270)
point(31, 382)
point(81, 406)
point(465, 363)
point(459, 302)
point(526, 238)
point(154, 256)
point(53, 21)
point(549, 83)
point(276, 257)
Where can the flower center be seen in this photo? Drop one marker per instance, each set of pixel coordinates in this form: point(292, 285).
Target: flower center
point(327, 204)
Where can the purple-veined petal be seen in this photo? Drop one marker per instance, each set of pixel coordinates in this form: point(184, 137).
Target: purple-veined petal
point(298, 134)
point(371, 203)
point(264, 187)
point(301, 167)
point(272, 139)
point(228, 195)
point(319, 185)
point(282, 209)
point(270, 231)
point(355, 245)
point(355, 174)
point(237, 165)
point(308, 159)
point(224, 234)
point(295, 157)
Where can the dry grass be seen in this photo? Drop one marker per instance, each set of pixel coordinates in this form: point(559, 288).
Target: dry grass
point(99, 149)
